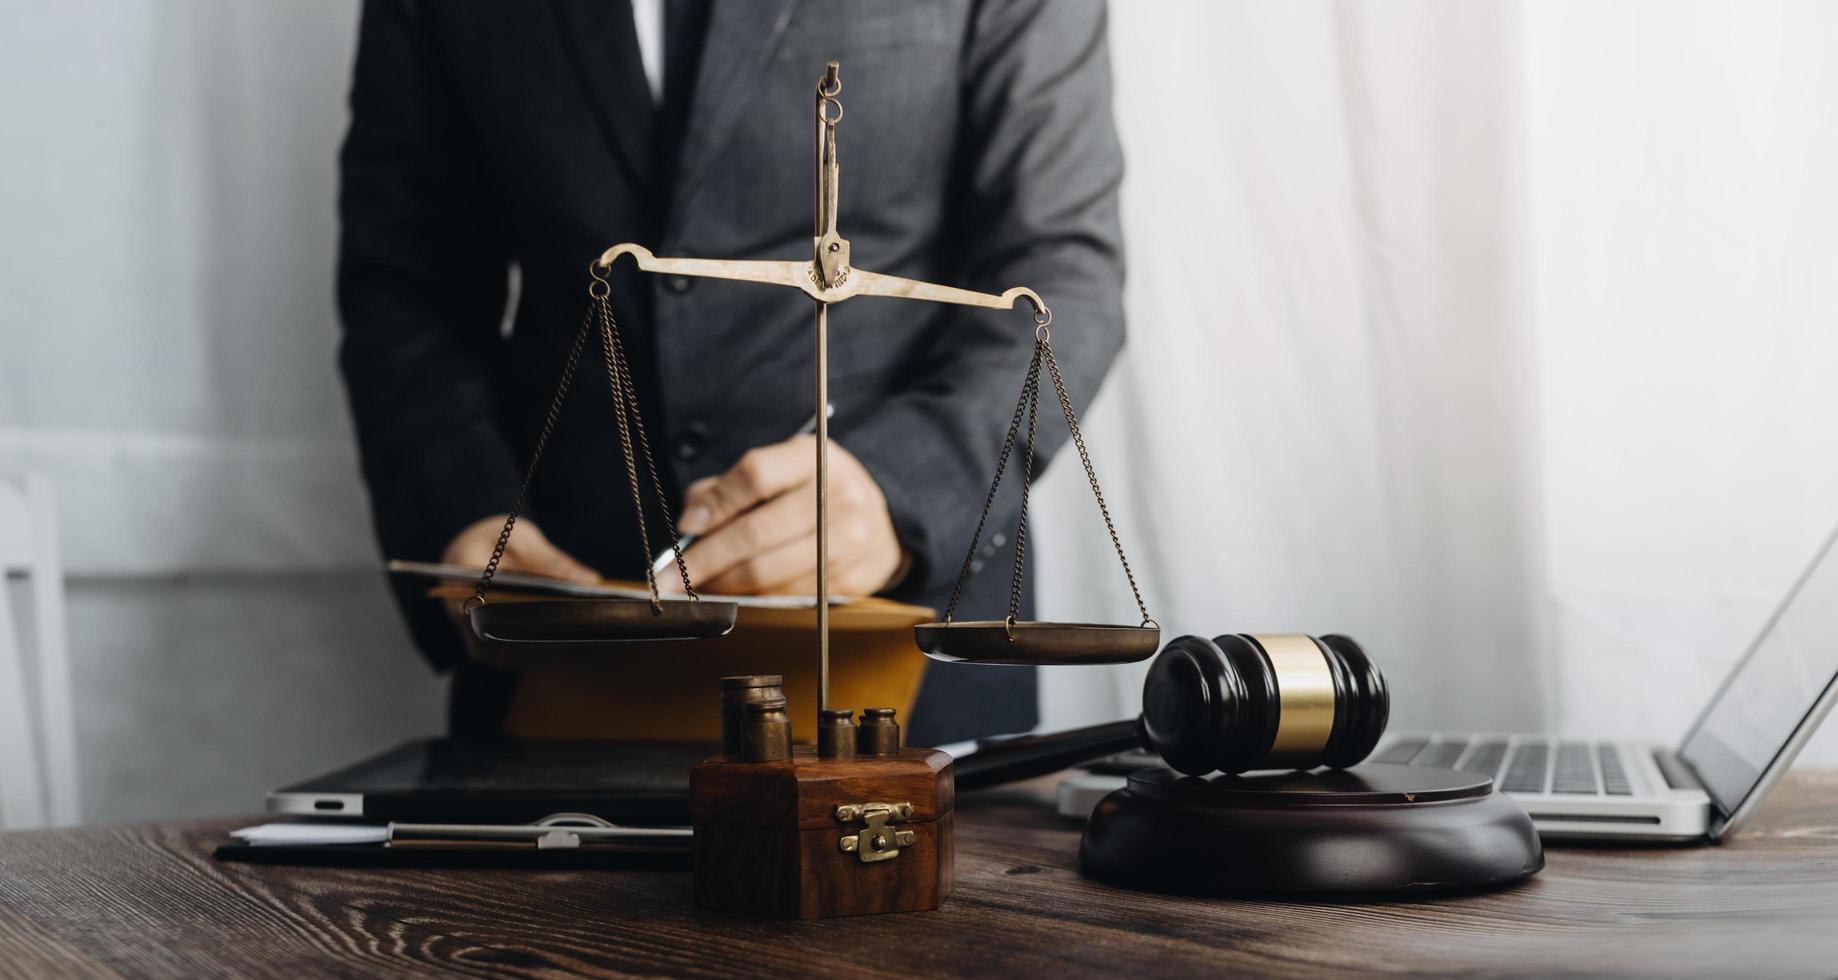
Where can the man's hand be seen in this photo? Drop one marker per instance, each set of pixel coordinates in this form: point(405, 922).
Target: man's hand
point(758, 526)
point(528, 551)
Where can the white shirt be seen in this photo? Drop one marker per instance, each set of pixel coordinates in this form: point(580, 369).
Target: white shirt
point(648, 20)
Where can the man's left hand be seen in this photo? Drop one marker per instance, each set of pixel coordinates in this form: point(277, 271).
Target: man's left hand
point(757, 526)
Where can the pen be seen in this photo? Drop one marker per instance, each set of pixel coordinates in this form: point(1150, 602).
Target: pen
point(666, 557)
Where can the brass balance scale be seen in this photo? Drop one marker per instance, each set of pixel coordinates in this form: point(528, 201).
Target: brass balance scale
point(859, 824)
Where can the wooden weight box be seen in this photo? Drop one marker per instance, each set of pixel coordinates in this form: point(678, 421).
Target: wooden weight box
point(811, 838)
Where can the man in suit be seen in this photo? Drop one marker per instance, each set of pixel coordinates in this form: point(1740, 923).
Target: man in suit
point(497, 146)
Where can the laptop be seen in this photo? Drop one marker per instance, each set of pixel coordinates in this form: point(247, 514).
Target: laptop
point(1703, 788)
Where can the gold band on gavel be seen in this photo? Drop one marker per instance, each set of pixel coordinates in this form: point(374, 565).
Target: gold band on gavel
point(1305, 699)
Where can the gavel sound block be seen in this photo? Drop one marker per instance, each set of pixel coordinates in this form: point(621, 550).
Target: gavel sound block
point(811, 838)
point(1283, 704)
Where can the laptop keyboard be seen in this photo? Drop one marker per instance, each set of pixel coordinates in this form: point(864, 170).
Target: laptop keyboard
point(1528, 769)
point(1614, 775)
point(1576, 768)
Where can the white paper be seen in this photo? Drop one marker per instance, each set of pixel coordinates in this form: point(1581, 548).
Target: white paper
point(311, 833)
point(543, 583)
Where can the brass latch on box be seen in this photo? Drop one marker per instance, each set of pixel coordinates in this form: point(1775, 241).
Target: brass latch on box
point(877, 840)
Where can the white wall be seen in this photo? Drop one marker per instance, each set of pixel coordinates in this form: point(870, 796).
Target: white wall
point(1684, 237)
point(166, 351)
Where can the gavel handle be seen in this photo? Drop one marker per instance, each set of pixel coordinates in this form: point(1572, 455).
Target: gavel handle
point(1011, 760)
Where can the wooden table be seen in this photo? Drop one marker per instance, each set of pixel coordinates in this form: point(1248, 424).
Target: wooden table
point(149, 901)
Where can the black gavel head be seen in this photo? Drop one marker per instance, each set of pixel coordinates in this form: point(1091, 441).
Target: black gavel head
point(1270, 701)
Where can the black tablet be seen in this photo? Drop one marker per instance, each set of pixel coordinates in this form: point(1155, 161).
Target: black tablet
point(444, 780)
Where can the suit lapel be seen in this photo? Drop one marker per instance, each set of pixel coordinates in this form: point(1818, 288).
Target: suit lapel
point(601, 42)
point(742, 36)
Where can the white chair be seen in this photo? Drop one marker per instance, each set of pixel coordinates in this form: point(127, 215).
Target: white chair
point(38, 754)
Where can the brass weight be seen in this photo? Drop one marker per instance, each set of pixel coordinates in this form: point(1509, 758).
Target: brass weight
point(836, 734)
point(879, 733)
point(736, 693)
point(767, 736)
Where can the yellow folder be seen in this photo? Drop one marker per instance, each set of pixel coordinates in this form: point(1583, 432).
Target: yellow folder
point(671, 689)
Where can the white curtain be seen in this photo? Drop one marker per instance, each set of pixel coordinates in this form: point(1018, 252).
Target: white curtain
point(1499, 336)
point(166, 262)
point(166, 358)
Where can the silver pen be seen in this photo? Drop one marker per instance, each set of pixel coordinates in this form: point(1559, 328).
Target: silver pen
point(667, 557)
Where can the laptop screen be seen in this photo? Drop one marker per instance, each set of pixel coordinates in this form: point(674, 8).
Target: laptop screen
point(1774, 690)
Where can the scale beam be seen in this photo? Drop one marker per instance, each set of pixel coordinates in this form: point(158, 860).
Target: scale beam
point(804, 276)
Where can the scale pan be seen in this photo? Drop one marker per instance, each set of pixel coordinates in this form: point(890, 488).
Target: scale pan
point(1037, 644)
point(601, 620)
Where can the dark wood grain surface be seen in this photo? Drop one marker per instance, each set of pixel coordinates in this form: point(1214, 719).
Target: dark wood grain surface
point(149, 901)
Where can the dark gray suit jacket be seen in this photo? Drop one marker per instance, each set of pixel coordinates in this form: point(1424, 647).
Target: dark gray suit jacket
point(977, 150)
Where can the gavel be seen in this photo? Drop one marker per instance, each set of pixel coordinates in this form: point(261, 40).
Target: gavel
point(1229, 704)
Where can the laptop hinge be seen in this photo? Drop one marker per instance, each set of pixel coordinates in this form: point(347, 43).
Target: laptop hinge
point(1678, 772)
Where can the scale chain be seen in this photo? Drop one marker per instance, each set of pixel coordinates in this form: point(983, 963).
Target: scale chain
point(630, 423)
point(1008, 446)
point(1031, 387)
point(1027, 405)
point(1091, 474)
point(542, 441)
point(644, 445)
point(625, 444)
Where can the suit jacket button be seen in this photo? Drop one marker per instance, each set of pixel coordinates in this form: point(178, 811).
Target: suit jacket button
point(692, 441)
point(679, 284)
